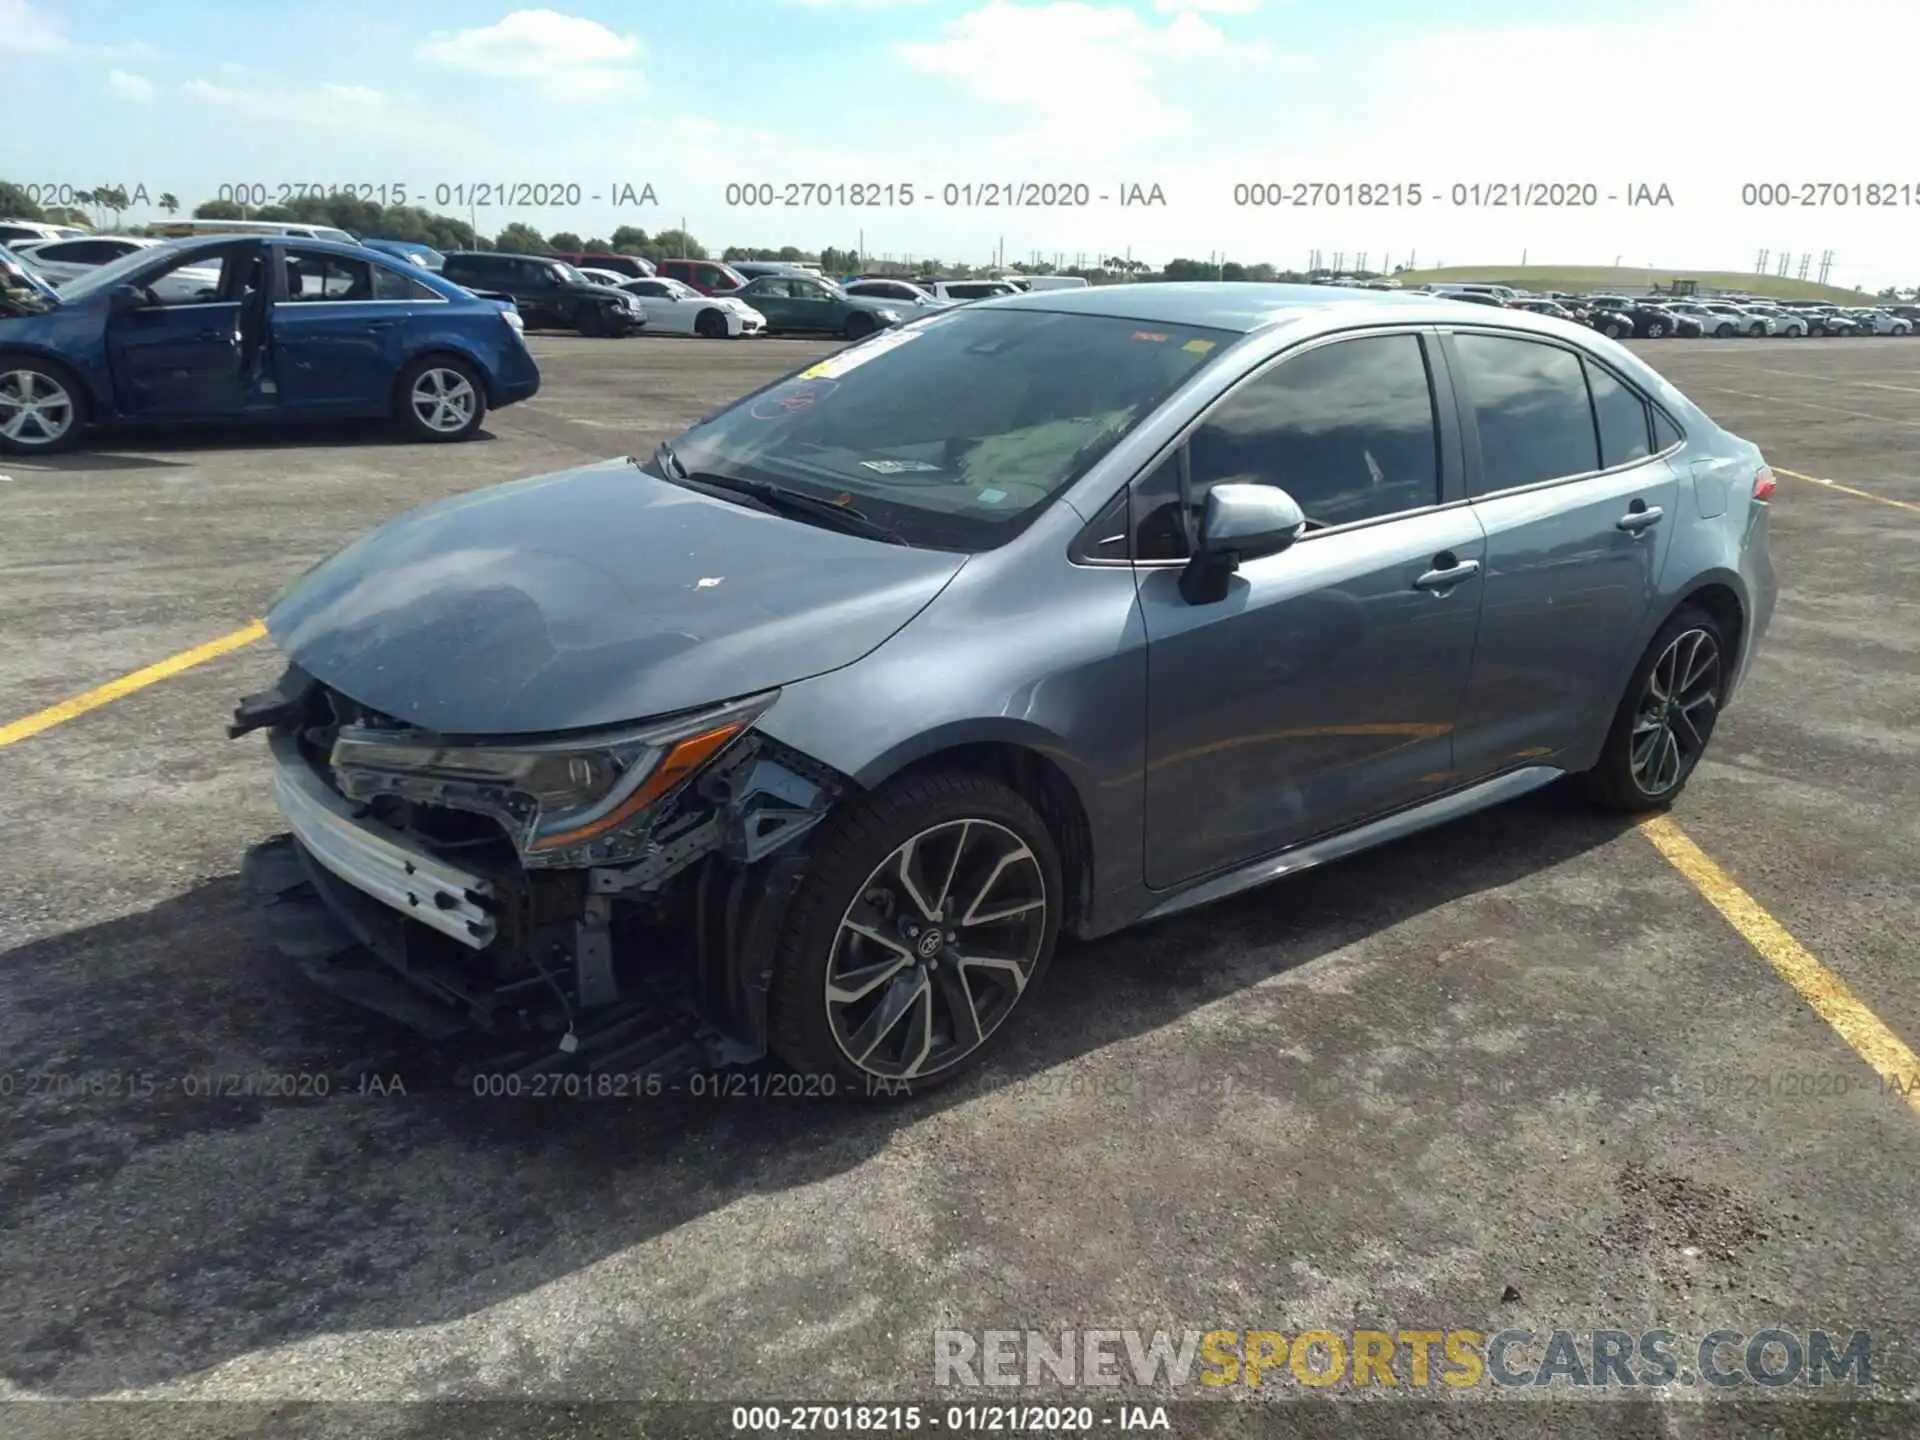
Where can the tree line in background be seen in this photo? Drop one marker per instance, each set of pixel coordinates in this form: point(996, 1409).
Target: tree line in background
point(445, 232)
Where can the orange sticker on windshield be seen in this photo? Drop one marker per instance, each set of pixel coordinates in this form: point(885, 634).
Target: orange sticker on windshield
point(1198, 347)
point(1148, 335)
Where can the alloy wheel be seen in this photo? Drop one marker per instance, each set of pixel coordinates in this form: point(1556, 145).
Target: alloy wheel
point(936, 949)
point(35, 409)
point(1676, 712)
point(444, 400)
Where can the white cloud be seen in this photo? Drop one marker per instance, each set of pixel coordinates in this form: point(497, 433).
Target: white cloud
point(328, 107)
point(1089, 76)
point(1216, 7)
point(123, 85)
point(567, 55)
point(856, 4)
point(26, 31)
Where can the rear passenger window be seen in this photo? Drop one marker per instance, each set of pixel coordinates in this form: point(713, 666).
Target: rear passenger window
point(1621, 415)
point(1530, 402)
point(1665, 432)
point(1347, 429)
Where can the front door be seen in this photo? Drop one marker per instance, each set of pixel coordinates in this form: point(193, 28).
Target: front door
point(773, 298)
point(338, 325)
point(1578, 514)
point(1323, 689)
point(191, 352)
point(812, 308)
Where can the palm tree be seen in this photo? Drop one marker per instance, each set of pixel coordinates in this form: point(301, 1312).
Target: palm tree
point(169, 202)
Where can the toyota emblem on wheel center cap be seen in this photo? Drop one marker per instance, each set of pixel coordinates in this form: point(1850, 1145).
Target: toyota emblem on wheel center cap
point(929, 943)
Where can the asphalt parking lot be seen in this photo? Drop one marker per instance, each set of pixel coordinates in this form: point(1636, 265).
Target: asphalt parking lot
point(1518, 1072)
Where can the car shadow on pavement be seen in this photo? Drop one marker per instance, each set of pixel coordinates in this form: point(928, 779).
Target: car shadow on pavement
point(157, 1219)
point(105, 452)
point(81, 463)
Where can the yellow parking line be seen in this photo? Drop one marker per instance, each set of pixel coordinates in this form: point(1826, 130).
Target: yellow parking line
point(127, 684)
point(1823, 990)
point(1848, 489)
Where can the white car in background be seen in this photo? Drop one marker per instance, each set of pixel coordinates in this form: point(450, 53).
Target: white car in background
point(14, 233)
point(1879, 322)
point(901, 292)
point(58, 261)
point(674, 308)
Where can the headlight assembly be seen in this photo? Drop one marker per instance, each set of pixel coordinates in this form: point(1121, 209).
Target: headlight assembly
point(552, 795)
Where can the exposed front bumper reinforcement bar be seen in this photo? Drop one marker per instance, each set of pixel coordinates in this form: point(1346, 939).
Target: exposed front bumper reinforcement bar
point(376, 859)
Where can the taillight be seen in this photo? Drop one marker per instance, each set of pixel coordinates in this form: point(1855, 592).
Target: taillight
point(1763, 484)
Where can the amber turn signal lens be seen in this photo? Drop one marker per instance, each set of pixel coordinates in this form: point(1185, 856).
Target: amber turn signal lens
point(682, 760)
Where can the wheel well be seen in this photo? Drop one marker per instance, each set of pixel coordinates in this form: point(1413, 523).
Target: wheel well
point(1723, 605)
point(400, 375)
point(54, 362)
point(1047, 788)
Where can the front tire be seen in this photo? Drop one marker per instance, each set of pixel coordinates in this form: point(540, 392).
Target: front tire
point(1666, 717)
point(859, 326)
point(592, 322)
point(43, 407)
point(1656, 331)
point(710, 325)
point(441, 399)
point(928, 915)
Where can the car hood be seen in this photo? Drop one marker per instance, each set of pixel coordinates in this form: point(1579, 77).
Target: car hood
point(591, 597)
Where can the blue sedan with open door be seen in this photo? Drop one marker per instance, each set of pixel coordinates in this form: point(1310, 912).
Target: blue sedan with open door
point(271, 328)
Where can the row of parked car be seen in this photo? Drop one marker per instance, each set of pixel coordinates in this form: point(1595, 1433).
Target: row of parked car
point(594, 293)
point(1656, 317)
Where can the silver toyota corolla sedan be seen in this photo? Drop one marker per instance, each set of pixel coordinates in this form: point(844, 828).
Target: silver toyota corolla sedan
point(1051, 613)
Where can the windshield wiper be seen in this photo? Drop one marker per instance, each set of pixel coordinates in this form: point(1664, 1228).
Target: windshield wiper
point(781, 499)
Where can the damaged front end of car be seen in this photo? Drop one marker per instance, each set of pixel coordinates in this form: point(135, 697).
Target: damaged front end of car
point(566, 884)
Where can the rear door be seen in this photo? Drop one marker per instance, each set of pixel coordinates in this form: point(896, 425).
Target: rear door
point(1578, 515)
point(1323, 689)
point(192, 359)
point(339, 328)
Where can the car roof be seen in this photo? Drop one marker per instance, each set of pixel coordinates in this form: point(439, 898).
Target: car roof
point(1244, 306)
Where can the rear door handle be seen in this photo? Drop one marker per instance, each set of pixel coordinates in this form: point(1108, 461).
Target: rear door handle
point(379, 324)
point(1634, 521)
point(1445, 577)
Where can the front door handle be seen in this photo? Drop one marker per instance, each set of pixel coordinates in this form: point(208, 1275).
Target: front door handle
point(1446, 576)
point(379, 324)
point(1638, 518)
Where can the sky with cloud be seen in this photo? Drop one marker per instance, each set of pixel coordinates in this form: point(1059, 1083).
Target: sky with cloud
point(1194, 96)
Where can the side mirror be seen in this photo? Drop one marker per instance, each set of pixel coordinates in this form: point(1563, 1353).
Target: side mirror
point(124, 298)
point(1240, 522)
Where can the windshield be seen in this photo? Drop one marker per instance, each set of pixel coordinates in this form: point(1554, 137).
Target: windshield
point(956, 431)
point(570, 275)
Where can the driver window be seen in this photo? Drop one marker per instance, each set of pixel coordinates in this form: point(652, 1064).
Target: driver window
point(781, 289)
point(1348, 429)
point(204, 277)
point(805, 290)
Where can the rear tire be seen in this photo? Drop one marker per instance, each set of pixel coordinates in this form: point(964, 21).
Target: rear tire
point(1666, 718)
point(927, 916)
point(1656, 331)
point(43, 406)
point(440, 399)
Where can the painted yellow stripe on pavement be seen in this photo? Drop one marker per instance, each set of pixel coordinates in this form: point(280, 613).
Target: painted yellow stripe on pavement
point(127, 684)
point(1823, 990)
point(1848, 489)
